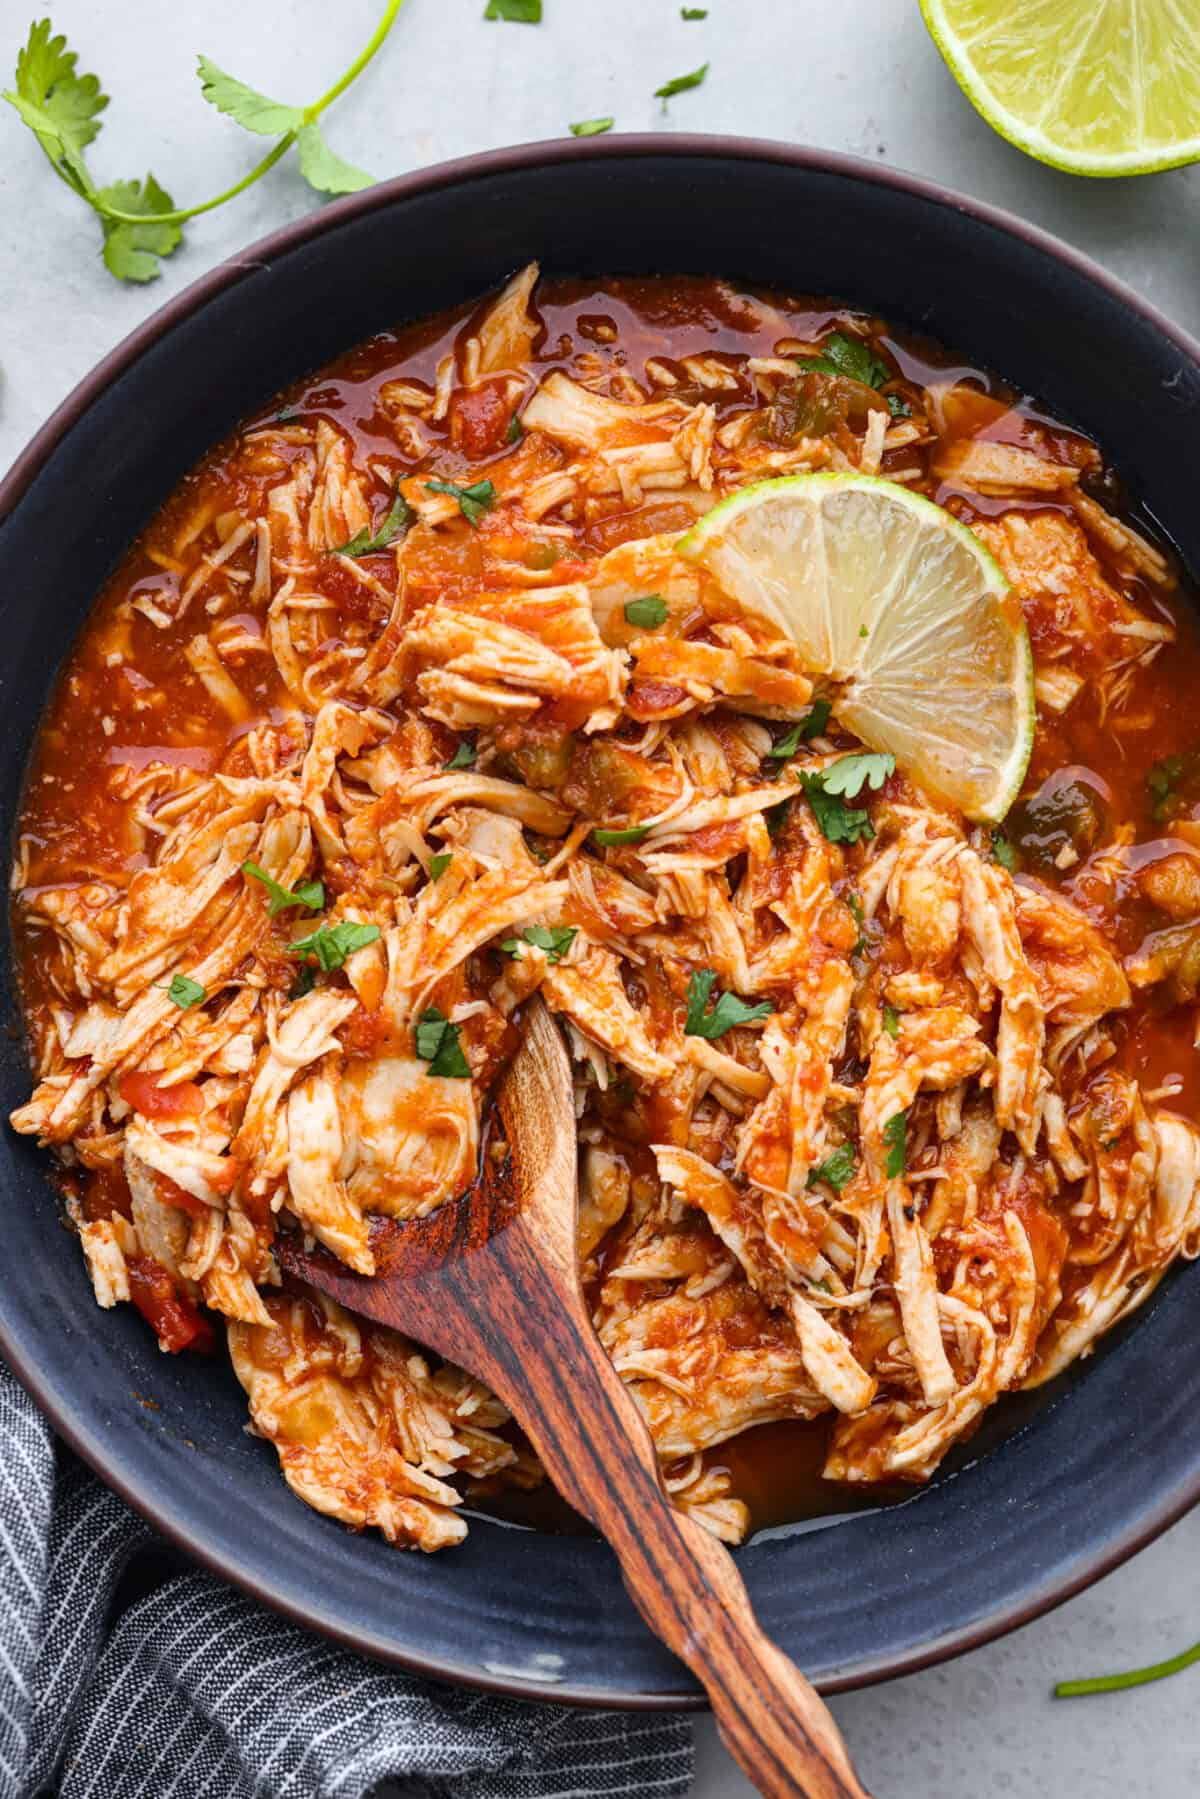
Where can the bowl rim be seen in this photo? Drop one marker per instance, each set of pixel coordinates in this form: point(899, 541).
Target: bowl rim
point(1093, 1565)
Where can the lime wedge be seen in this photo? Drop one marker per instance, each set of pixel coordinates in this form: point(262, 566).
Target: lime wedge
point(1100, 87)
point(903, 608)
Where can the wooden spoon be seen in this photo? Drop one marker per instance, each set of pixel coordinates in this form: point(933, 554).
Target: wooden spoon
point(490, 1281)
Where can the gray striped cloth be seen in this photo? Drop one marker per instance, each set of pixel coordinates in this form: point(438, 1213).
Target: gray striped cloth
point(116, 1683)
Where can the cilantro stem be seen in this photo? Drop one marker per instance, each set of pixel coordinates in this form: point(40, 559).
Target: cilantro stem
point(182, 213)
point(1135, 1677)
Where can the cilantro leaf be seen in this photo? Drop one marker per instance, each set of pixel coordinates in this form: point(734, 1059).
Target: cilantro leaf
point(556, 940)
point(438, 1044)
point(368, 543)
point(614, 839)
point(679, 84)
point(516, 429)
point(841, 354)
point(61, 107)
point(311, 895)
point(693, 12)
point(837, 1170)
point(305, 981)
point(728, 1011)
point(648, 613)
point(184, 992)
point(891, 1021)
point(131, 252)
point(248, 108)
point(837, 822)
point(439, 863)
point(895, 1133)
point(899, 409)
point(324, 169)
point(591, 127)
point(1003, 850)
point(859, 916)
point(517, 12)
point(810, 726)
point(463, 757)
point(849, 774)
point(473, 501)
point(331, 944)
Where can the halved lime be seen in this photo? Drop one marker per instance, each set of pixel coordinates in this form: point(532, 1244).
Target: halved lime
point(1100, 87)
point(903, 608)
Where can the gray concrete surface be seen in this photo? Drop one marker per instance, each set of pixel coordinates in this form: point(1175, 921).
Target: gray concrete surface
point(861, 77)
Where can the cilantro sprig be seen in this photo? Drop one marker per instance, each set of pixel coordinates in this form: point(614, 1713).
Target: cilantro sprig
point(556, 940)
point(810, 726)
point(728, 1011)
point(367, 542)
point(830, 788)
point(837, 1170)
point(438, 1044)
point(139, 220)
point(331, 944)
point(842, 354)
point(311, 895)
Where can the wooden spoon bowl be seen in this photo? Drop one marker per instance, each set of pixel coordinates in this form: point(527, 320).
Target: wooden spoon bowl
point(491, 1282)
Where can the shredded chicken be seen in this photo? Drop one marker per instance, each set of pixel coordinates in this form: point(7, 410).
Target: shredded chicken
point(862, 1137)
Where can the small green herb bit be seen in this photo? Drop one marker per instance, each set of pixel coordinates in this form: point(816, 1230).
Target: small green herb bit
point(891, 1021)
point(609, 840)
point(837, 822)
point(693, 12)
point(1133, 1677)
point(591, 127)
point(369, 543)
point(438, 1044)
point(842, 354)
point(463, 757)
point(850, 774)
point(1003, 850)
point(331, 944)
point(516, 12)
point(184, 992)
point(311, 895)
point(648, 613)
point(516, 430)
point(837, 1170)
point(860, 919)
point(473, 501)
point(895, 1137)
point(439, 863)
point(679, 84)
point(555, 940)
point(810, 726)
point(899, 409)
point(728, 1011)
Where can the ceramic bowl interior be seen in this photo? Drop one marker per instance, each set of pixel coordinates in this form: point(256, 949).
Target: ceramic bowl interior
point(1108, 1458)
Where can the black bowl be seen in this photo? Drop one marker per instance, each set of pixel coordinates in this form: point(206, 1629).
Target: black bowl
point(1111, 1458)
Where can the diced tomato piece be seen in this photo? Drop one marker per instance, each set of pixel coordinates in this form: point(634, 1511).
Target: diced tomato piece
point(172, 1194)
point(479, 418)
point(175, 1320)
point(143, 1093)
point(106, 1192)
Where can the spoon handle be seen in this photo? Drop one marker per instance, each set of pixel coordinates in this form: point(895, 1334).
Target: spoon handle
point(551, 1371)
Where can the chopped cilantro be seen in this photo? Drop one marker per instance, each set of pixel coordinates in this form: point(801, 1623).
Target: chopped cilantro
point(367, 543)
point(437, 1044)
point(837, 822)
point(516, 430)
point(648, 613)
point(891, 1021)
point(841, 354)
point(311, 895)
point(693, 12)
point(728, 1011)
point(184, 992)
point(555, 941)
point(1003, 850)
point(679, 84)
point(810, 726)
point(331, 944)
point(850, 774)
point(895, 1133)
point(775, 816)
point(473, 501)
point(463, 757)
point(304, 982)
point(860, 919)
point(591, 127)
point(613, 839)
point(899, 409)
point(837, 1170)
point(517, 12)
point(439, 863)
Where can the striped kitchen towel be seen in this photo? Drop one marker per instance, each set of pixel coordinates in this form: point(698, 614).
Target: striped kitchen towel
point(191, 1691)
